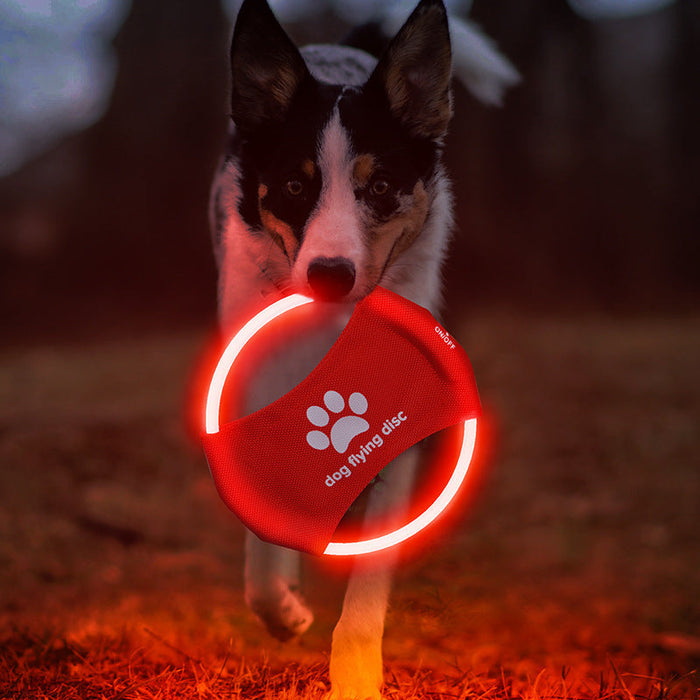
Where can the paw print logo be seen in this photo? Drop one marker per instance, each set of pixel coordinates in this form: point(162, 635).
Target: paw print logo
point(344, 429)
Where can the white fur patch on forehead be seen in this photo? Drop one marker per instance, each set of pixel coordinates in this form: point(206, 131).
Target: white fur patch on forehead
point(335, 153)
point(335, 227)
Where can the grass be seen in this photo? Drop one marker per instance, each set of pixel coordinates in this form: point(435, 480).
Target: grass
point(574, 574)
point(55, 668)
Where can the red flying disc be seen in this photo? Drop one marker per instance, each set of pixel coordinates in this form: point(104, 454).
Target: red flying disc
point(393, 377)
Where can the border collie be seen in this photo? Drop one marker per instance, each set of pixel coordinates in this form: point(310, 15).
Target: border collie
point(332, 183)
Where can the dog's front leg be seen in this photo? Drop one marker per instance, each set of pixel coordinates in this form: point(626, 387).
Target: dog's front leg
point(272, 576)
point(356, 671)
point(272, 573)
point(356, 655)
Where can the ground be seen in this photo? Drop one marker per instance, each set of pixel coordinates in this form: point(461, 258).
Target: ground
point(573, 572)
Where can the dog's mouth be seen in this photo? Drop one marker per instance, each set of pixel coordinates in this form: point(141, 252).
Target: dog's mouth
point(333, 296)
point(331, 279)
point(336, 280)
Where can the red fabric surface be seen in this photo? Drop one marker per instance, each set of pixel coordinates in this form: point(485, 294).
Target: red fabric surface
point(415, 380)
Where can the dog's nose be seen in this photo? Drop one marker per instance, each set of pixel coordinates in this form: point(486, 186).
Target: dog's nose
point(331, 279)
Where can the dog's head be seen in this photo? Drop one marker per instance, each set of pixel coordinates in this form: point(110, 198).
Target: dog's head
point(337, 159)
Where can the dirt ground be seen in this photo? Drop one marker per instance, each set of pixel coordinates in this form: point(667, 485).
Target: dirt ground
point(575, 572)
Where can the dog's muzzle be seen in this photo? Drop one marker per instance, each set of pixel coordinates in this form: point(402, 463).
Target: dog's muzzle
point(331, 279)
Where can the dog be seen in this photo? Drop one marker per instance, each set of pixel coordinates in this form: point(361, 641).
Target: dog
point(332, 183)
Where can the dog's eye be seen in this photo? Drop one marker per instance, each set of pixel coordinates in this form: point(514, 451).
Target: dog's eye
point(379, 187)
point(294, 187)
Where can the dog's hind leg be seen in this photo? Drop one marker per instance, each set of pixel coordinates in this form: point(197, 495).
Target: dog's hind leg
point(272, 577)
point(356, 669)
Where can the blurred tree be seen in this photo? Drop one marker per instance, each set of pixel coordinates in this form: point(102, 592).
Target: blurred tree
point(129, 226)
point(57, 71)
point(580, 190)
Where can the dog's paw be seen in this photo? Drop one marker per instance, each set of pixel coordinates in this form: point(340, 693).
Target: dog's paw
point(355, 668)
point(284, 612)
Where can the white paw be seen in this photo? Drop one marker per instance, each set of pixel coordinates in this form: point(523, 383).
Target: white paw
point(344, 429)
point(283, 612)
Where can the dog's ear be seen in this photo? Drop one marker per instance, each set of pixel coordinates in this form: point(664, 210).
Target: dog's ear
point(266, 67)
point(415, 72)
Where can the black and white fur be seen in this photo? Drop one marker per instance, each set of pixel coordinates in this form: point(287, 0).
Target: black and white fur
point(332, 183)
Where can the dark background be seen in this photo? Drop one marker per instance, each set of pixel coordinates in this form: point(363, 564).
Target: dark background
point(580, 194)
point(572, 284)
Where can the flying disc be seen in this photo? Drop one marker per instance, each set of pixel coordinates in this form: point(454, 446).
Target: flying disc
point(291, 470)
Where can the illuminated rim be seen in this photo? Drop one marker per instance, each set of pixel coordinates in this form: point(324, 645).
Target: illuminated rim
point(375, 544)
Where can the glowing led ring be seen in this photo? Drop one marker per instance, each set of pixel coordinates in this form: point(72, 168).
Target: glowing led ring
point(375, 544)
point(238, 342)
